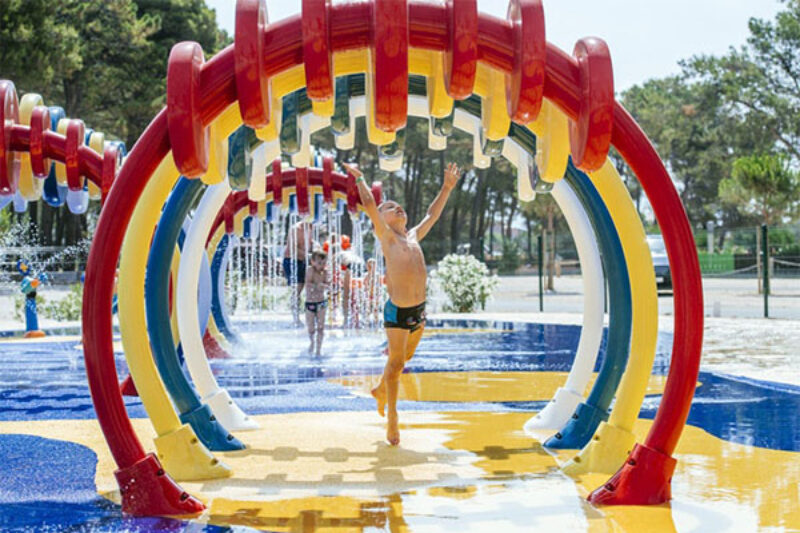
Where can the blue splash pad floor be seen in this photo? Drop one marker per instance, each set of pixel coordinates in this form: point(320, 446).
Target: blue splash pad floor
point(49, 483)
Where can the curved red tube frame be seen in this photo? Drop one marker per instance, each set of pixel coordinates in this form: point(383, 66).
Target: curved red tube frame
point(277, 182)
point(189, 138)
point(350, 28)
point(40, 123)
point(460, 58)
point(252, 82)
point(525, 82)
point(317, 49)
point(145, 488)
point(590, 134)
point(9, 116)
point(54, 146)
point(111, 163)
point(390, 63)
point(288, 178)
point(227, 215)
point(75, 135)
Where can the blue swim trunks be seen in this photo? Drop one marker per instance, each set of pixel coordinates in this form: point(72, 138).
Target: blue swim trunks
point(410, 318)
point(289, 269)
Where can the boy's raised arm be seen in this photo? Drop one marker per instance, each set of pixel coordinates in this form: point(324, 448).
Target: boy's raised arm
point(451, 176)
point(368, 201)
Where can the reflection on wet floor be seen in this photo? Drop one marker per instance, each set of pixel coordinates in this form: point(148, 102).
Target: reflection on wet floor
point(320, 461)
point(471, 471)
point(477, 386)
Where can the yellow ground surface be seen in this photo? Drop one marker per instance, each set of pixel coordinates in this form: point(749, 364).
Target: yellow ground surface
point(478, 386)
point(470, 471)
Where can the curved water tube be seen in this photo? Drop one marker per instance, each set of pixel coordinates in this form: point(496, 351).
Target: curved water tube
point(583, 426)
point(583, 423)
point(524, 83)
point(47, 165)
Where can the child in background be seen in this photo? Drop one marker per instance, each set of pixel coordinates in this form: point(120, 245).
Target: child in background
point(294, 265)
point(364, 296)
point(338, 247)
point(316, 300)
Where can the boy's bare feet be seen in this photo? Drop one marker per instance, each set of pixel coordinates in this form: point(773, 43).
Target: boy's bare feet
point(379, 393)
point(392, 430)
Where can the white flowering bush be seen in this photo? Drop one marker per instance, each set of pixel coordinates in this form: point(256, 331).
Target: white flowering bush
point(465, 281)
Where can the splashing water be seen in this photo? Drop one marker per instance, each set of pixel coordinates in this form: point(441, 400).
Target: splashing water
point(260, 297)
point(21, 241)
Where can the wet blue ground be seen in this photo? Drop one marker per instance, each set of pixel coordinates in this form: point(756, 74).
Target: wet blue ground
point(48, 485)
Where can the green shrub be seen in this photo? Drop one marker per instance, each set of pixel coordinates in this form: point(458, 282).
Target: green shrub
point(465, 281)
point(67, 308)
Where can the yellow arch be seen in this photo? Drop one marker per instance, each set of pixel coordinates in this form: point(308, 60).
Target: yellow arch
point(179, 449)
point(614, 439)
point(148, 209)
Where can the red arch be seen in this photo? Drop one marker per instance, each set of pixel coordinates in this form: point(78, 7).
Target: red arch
point(100, 169)
point(239, 199)
point(643, 479)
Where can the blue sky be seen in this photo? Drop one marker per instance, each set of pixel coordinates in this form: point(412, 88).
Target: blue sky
point(647, 37)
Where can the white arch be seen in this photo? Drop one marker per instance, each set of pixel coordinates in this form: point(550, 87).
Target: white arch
point(566, 399)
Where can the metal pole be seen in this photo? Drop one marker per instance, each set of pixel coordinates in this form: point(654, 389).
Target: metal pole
point(759, 266)
point(540, 244)
point(765, 267)
point(710, 237)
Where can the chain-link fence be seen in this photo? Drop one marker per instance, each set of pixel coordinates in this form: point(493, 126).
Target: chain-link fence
point(736, 267)
point(740, 252)
point(761, 265)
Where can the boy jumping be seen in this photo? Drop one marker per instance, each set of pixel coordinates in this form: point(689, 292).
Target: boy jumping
point(404, 313)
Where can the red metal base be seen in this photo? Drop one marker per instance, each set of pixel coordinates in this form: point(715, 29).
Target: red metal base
point(128, 388)
point(644, 479)
point(213, 349)
point(148, 491)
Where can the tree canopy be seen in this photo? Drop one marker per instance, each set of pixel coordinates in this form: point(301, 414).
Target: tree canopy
point(763, 185)
point(722, 114)
point(726, 126)
point(103, 61)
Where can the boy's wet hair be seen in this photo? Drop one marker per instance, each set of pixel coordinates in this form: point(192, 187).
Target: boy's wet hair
point(317, 254)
